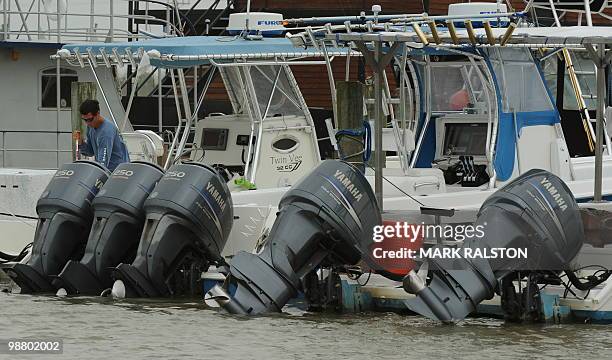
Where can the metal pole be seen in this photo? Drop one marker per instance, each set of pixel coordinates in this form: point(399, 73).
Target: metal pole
point(24, 21)
point(58, 99)
point(91, 18)
point(178, 128)
point(188, 114)
point(554, 11)
point(378, 88)
point(195, 86)
point(160, 116)
point(263, 118)
point(347, 70)
point(110, 111)
point(248, 16)
point(129, 105)
point(601, 100)
point(4, 20)
point(427, 107)
point(260, 120)
point(112, 20)
point(332, 82)
point(587, 10)
point(38, 28)
point(59, 23)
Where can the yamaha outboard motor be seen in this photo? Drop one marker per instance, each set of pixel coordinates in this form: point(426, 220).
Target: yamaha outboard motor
point(65, 217)
point(327, 217)
point(535, 214)
point(189, 216)
point(118, 222)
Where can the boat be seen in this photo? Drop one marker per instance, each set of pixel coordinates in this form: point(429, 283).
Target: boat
point(532, 141)
point(492, 140)
point(466, 47)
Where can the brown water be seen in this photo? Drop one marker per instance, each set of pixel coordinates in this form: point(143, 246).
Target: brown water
point(100, 328)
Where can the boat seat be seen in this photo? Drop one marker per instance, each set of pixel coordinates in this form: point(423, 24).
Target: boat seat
point(144, 145)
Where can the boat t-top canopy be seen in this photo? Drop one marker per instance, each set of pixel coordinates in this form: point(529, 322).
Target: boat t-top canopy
point(183, 52)
point(574, 36)
point(255, 72)
point(379, 44)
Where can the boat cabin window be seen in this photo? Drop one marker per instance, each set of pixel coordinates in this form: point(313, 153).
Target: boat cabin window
point(48, 87)
point(457, 87)
point(285, 144)
point(274, 92)
point(520, 84)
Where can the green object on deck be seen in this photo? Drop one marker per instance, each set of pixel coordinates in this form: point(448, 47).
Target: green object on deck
point(244, 183)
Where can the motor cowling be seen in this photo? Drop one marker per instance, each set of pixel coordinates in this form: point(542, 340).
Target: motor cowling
point(189, 216)
point(535, 212)
point(65, 216)
point(116, 230)
point(328, 216)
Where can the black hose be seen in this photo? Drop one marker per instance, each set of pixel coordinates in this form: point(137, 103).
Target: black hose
point(591, 282)
point(5, 258)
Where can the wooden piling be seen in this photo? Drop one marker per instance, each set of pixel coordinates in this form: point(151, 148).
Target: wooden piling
point(349, 95)
point(80, 91)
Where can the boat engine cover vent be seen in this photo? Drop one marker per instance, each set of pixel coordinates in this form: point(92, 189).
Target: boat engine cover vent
point(65, 216)
point(329, 216)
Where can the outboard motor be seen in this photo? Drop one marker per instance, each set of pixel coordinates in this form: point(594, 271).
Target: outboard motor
point(117, 227)
point(328, 217)
point(65, 217)
point(189, 216)
point(535, 213)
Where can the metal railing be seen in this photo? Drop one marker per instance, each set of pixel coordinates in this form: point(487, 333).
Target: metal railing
point(4, 150)
point(62, 21)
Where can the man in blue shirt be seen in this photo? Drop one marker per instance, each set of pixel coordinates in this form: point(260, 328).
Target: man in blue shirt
point(103, 139)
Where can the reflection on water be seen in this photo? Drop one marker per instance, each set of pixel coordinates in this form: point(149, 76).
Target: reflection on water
point(103, 328)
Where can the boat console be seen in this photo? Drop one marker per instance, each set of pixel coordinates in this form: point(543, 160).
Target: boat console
point(461, 149)
point(285, 153)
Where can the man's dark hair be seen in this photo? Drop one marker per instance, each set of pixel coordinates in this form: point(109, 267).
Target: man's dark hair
point(89, 106)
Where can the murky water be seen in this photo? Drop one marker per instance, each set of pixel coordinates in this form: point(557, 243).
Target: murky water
point(100, 328)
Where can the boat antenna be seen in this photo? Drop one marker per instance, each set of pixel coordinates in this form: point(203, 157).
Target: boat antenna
point(246, 33)
point(248, 17)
